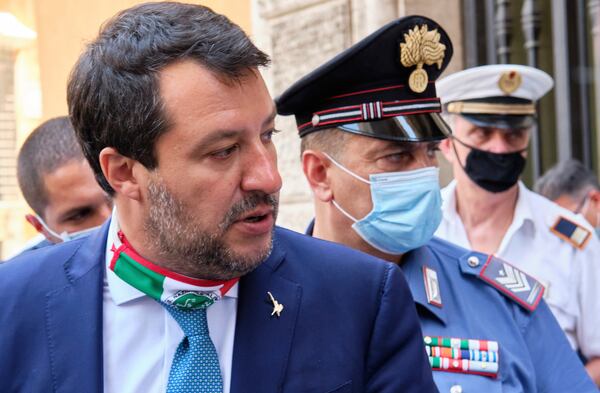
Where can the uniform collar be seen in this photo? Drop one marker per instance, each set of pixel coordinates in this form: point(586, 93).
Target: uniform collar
point(413, 264)
point(119, 290)
point(523, 211)
point(449, 212)
point(523, 215)
point(523, 219)
point(416, 261)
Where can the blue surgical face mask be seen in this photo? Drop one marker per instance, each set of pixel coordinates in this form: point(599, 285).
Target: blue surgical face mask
point(66, 236)
point(406, 209)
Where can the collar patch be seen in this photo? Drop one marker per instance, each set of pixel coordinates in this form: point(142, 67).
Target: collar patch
point(432, 286)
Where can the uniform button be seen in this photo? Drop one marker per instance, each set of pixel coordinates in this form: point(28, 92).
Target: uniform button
point(456, 389)
point(315, 120)
point(473, 261)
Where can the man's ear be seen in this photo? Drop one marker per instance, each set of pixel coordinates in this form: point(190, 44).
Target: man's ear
point(39, 227)
point(124, 174)
point(315, 166)
point(594, 196)
point(447, 149)
point(35, 223)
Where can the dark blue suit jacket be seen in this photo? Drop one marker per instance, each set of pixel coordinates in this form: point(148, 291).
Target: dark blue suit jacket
point(349, 322)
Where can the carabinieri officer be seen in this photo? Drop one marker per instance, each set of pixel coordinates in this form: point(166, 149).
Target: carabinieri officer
point(370, 125)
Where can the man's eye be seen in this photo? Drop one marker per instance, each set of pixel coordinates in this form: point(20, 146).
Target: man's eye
point(78, 216)
point(225, 153)
point(481, 133)
point(431, 150)
point(515, 136)
point(397, 157)
point(268, 136)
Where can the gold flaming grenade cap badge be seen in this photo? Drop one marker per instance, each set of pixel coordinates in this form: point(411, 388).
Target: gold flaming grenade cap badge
point(421, 47)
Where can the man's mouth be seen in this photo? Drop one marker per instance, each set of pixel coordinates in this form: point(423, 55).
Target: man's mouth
point(257, 215)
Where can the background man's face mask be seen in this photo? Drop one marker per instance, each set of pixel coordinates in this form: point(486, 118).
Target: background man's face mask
point(494, 172)
point(406, 209)
point(64, 236)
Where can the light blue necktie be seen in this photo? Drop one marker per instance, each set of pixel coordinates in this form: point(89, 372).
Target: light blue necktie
point(195, 366)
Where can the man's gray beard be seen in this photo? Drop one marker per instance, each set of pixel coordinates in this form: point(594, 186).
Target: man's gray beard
point(174, 232)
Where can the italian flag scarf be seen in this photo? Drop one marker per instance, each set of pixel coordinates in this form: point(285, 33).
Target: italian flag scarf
point(161, 284)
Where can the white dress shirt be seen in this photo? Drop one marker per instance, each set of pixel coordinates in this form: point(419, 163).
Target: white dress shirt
point(141, 337)
point(571, 276)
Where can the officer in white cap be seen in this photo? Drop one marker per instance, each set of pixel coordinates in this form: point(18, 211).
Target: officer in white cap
point(491, 110)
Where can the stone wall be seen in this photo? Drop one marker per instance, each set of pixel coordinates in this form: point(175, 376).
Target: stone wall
point(302, 34)
point(8, 129)
point(12, 209)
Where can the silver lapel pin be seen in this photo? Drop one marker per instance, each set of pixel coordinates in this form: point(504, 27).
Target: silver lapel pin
point(277, 307)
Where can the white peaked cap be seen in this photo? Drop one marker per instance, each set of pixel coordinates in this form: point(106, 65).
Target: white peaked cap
point(484, 81)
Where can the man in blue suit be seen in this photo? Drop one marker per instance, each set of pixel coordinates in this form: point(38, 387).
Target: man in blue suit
point(189, 288)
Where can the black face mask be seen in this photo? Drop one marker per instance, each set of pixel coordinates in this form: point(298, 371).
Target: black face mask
point(494, 172)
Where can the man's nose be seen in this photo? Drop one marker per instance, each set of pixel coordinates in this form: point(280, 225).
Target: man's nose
point(498, 144)
point(260, 171)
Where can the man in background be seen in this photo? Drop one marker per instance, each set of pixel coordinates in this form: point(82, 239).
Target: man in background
point(491, 110)
point(575, 187)
point(59, 185)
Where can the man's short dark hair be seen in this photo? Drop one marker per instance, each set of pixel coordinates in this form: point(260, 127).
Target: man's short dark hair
point(330, 141)
point(570, 178)
point(50, 146)
point(113, 91)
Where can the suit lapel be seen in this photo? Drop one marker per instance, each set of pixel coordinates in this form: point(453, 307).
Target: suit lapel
point(262, 341)
point(74, 320)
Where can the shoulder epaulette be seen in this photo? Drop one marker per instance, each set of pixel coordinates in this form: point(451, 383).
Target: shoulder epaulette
point(512, 282)
point(572, 232)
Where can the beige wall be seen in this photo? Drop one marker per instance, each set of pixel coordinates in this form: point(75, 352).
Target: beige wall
point(64, 26)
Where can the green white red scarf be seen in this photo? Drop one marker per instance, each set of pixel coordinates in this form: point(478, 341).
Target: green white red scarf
point(164, 285)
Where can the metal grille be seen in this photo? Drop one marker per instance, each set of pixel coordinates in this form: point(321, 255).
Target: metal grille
point(559, 37)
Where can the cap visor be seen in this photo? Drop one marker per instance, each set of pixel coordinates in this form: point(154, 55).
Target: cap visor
point(514, 122)
point(411, 128)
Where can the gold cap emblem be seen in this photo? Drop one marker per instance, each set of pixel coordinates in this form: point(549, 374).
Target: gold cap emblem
point(509, 81)
point(421, 47)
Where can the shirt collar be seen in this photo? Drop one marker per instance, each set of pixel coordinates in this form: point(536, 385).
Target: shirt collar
point(523, 211)
point(119, 290)
point(449, 211)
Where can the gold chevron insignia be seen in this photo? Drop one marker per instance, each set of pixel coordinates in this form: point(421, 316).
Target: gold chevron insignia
point(421, 47)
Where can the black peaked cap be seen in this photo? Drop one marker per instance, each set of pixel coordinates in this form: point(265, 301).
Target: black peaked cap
point(383, 86)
